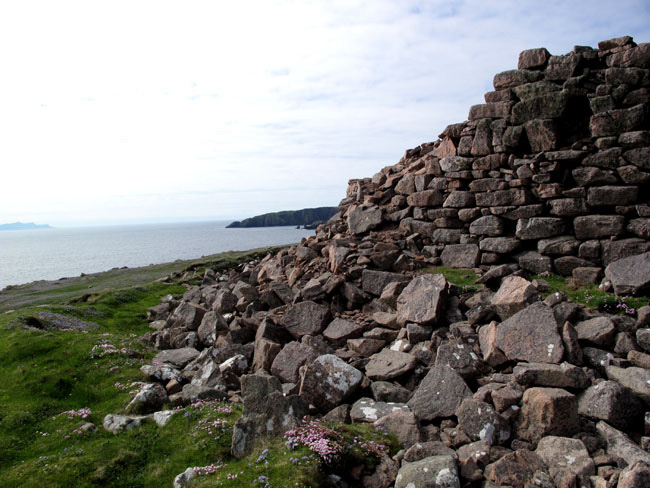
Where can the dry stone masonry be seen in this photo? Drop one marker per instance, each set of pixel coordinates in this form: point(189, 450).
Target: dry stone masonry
point(491, 387)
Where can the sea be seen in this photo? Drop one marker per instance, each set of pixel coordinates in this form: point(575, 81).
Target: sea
point(51, 254)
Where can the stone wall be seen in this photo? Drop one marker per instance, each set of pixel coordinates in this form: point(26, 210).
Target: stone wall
point(552, 172)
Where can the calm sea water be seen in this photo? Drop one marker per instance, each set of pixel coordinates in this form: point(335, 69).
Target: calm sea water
point(50, 254)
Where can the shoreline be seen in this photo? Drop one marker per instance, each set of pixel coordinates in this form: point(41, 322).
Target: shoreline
point(43, 292)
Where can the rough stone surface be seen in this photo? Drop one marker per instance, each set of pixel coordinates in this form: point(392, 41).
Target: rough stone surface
point(431, 472)
point(547, 411)
point(423, 299)
point(328, 381)
point(612, 403)
point(439, 394)
point(566, 458)
point(630, 275)
point(514, 294)
point(481, 422)
point(531, 335)
point(305, 318)
point(388, 364)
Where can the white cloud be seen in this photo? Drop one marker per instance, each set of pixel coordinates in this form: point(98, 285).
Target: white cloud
point(144, 110)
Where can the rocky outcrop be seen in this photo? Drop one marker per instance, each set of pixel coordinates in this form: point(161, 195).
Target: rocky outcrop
point(491, 386)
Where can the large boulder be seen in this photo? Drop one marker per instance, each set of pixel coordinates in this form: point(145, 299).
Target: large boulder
point(566, 459)
point(612, 403)
point(531, 335)
point(547, 411)
point(439, 394)
point(631, 275)
point(423, 299)
point(329, 380)
point(514, 294)
point(305, 318)
point(267, 412)
point(364, 218)
point(287, 363)
point(176, 357)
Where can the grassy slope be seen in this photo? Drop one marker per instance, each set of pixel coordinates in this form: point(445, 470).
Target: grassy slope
point(53, 292)
point(48, 372)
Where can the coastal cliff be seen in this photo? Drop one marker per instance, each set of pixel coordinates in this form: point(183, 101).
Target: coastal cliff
point(306, 216)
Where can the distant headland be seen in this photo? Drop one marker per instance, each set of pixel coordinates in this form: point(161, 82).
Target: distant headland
point(24, 226)
point(306, 216)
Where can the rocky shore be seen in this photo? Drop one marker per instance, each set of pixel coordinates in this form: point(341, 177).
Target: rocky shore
point(495, 385)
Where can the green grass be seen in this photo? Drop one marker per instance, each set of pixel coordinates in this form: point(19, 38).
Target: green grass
point(591, 296)
point(47, 371)
point(461, 277)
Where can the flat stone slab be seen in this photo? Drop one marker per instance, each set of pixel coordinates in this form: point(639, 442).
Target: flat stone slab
point(635, 379)
point(388, 364)
point(369, 410)
point(177, 357)
point(630, 276)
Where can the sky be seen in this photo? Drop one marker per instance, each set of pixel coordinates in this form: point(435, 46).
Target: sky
point(161, 111)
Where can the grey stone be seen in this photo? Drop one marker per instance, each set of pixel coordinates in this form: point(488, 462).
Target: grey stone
point(267, 412)
point(388, 364)
point(339, 331)
point(488, 225)
point(176, 357)
point(120, 423)
point(637, 380)
point(329, 380)
point(364, 218)
point(374, 282)
point(631, 275)
point(566, 458)
point(439, 394)
point(612, 403)
point(599, 331)
point(531, 335)
point(562, 375)
point(621, 446)
point(539, 227)
point(460, 256)
point(481, 422)
point(384, 391)
point(305, 318)
point(369, 410)
point(431, 472)
point(423, 299)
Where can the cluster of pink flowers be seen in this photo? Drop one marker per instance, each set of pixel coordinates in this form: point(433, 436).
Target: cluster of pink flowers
point(370, 448)
point(82, 412)
point(624, 307)
point(322, 441)
point(213, 427)
point(207, 470)
point(74, 431)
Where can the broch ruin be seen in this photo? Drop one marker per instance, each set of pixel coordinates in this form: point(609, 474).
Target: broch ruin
point(487, 387)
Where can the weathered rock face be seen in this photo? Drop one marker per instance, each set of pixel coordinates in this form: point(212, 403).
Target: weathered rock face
point(423, 299)
point(267, 412)
point(328, 381)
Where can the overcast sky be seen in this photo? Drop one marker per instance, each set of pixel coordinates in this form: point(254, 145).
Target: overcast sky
point(141, 111)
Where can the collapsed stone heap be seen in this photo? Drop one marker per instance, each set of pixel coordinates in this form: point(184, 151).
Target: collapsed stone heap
point(491, 387)
point(551, 172)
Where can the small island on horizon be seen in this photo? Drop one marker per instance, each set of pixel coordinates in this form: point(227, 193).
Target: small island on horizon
point(24, 226)
point(305, 217)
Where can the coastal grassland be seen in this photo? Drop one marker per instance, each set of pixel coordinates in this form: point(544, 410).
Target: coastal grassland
point(55, 292)
point(73, 362)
